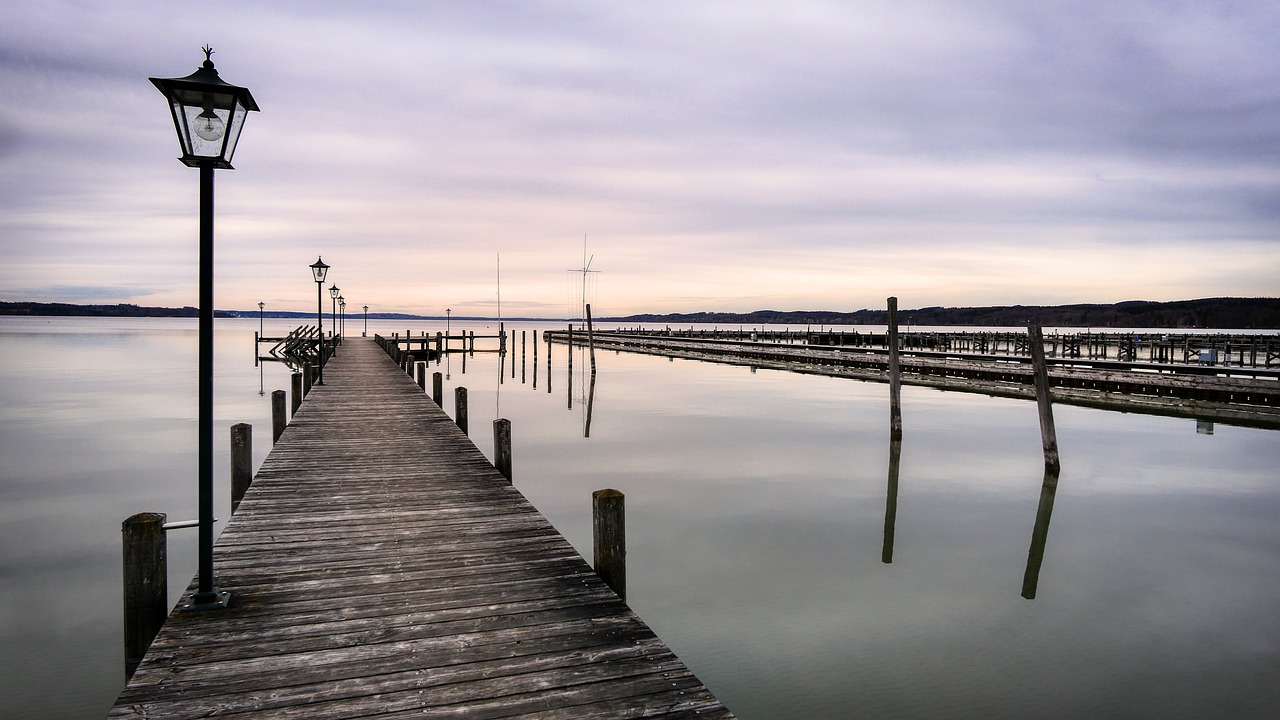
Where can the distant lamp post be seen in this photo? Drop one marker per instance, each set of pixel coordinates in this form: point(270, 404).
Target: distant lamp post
point(448, 316)
point(366, 322)
point(342, 316)
point(319, 270)
point(333, 314)
point(208, 115)
point(261, 306)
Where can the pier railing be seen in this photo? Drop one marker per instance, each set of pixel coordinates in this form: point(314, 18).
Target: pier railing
point(302, 346)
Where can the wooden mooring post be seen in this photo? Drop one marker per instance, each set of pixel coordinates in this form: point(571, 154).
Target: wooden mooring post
point(420, 373)
point(591, 340)
point(279, 417)
point(146, 584)
point(241, 460)
point(295, 386)
point(460, 408)
point(609, 538)
point(306, 379)
point(1044, 402)
point(895, 374)
point(437, 389)
point(502, 447)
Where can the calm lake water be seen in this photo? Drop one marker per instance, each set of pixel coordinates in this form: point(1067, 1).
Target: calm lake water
point(756, 526)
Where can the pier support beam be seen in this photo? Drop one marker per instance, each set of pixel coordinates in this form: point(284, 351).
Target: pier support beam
point(609, 538)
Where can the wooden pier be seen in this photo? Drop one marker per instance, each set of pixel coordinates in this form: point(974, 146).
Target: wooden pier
point(380, 566)
point(1242, 395)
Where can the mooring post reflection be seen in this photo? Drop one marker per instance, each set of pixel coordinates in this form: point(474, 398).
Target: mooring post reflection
point(591, 401)
point(1035, 556)
point(891, 501)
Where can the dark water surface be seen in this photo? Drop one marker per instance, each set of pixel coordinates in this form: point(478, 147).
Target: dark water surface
point(756, 518)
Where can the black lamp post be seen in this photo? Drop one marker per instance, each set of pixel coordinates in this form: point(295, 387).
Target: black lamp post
point(208, 115)
point(333, 314)
point(261, 307)
point(319, 270)
point(342, 316)
point(366, 322)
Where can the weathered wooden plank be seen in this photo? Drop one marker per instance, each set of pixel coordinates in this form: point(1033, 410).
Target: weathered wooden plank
point(380, 566)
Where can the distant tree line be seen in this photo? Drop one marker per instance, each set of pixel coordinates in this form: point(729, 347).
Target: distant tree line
point(1227, 313)
point(119, 310)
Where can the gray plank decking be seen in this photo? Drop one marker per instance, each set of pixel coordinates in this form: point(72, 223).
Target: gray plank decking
point(381, 567)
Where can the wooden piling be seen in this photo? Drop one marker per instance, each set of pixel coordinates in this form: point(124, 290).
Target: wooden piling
point(242, 459)
point(460, 408)
point(295, 385)
point(895, 374)
point(306, 379)
point(420, 374)
point(1048, 434)
point(591, 340)
point(279, 418)
point(146, 585)
point(609, 539)
point(502, 447)
point(437, 389)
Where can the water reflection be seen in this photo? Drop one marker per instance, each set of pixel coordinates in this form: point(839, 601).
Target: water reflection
point(754, 520)
point(1039, 534)
point(591, 402)
point(891, 501)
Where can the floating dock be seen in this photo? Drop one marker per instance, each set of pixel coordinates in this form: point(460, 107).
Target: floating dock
point(380, 566)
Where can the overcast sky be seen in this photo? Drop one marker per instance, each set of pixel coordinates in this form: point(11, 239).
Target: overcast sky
point(726, 156)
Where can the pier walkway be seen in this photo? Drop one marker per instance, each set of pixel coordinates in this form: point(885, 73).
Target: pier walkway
point(380, 566)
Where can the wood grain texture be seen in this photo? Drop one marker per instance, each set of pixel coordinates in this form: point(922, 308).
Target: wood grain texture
point(380, 566)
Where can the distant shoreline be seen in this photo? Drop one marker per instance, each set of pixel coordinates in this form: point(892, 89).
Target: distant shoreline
point(1241, 313)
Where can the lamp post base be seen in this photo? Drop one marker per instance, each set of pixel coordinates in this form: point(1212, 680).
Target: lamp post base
point(195, 602)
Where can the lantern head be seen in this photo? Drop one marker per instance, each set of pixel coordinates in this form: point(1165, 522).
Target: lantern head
point(319, 270)
point(207, 113)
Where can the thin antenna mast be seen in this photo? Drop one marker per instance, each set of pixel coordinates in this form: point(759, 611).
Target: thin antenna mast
point(585, 270)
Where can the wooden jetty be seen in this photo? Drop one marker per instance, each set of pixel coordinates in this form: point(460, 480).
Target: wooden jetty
point(1244, 349)
point(380, 566)
point(1237, 395)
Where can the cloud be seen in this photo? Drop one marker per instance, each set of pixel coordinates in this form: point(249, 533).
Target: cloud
point(806, 154)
